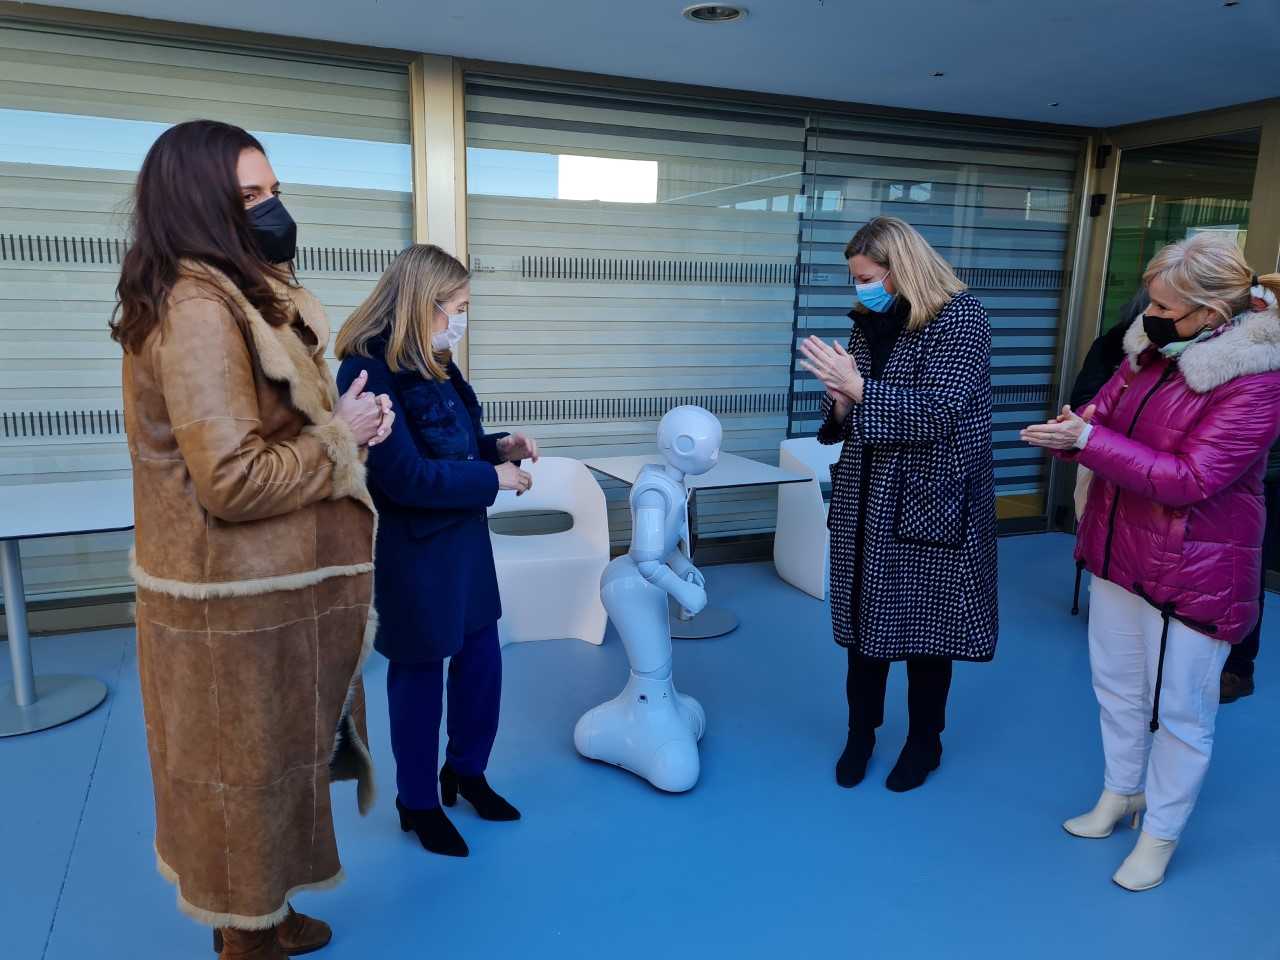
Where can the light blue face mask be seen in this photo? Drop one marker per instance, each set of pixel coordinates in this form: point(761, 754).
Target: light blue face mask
point(1176, 349)
point(874, 296)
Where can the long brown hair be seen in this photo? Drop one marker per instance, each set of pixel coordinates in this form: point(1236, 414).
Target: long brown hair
point(921, 276)
point(402, 308)
point(187, 205)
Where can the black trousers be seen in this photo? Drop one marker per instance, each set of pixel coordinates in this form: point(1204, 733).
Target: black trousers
point(1240, 659)
point(928, 683)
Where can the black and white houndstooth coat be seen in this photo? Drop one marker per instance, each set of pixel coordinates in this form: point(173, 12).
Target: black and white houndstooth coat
point(928, 580)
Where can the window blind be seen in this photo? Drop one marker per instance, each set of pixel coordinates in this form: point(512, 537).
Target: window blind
point(631, 254)
point(998, 206)
point(78, 110)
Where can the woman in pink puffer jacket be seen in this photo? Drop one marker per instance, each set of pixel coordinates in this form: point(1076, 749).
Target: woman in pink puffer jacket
point(1172, 530)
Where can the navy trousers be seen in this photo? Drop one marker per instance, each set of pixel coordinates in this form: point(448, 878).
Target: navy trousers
point(414, 693)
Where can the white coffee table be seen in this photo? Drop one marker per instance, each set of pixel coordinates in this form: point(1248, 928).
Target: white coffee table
point(732, 471)
point(32, 512)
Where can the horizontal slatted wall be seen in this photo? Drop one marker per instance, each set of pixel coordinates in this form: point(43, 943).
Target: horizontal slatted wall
point(77, 113)
point(996, 205)
point(629, 255)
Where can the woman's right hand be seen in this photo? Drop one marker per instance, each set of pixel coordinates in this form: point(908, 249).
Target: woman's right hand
point(360, 411)
point(511, 477)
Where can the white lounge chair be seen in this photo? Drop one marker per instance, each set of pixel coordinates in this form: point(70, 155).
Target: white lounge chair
point(550, 583)
point(800, 543)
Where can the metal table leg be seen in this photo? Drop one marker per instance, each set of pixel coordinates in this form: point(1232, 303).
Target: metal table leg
point(29, 703)
point(712, 621)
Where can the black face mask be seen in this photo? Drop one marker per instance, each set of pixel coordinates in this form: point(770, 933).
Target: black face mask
point(275, 231)
point(1163, 331)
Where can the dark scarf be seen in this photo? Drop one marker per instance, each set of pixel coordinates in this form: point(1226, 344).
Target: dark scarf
point(881, 331)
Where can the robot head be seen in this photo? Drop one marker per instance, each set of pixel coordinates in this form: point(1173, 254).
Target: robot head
point(689, 437)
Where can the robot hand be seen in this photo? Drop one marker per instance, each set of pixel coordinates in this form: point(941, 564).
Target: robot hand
point(684, 568)
point(691, 593)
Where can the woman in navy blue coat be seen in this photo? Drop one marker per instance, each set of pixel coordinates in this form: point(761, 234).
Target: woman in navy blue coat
point(435, 588)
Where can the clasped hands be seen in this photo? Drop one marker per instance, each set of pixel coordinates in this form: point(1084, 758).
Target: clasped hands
point(370, 417)
point(1062, 432)
point(835, 368)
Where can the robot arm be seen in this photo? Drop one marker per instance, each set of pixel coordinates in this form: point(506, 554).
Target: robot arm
point(647, 550)
point(684, 568)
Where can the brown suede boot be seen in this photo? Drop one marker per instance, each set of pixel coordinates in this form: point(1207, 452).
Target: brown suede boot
point(300, 934)
point(297, 934)
point(248, 944)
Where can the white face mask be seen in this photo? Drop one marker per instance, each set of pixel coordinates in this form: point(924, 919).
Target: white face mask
point(452, 335)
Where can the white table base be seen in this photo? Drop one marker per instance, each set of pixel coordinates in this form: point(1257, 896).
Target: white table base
point(29, 704)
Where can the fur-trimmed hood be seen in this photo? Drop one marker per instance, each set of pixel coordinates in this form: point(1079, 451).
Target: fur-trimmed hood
point(1249, 344)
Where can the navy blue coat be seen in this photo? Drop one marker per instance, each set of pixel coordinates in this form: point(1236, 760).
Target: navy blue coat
point(431, 480)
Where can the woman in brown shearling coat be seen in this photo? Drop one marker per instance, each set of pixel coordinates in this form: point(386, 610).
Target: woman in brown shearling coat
point(253, 555)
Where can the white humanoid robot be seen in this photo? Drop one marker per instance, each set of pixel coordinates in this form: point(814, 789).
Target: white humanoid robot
point(649, 728)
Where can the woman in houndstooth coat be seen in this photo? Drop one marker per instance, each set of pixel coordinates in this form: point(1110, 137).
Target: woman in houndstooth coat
point(912, 519)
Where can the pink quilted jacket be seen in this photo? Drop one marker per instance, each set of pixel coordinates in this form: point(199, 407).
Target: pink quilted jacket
point(1175, 511)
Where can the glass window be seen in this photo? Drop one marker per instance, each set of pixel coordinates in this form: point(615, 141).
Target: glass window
point(997, 205)
point(77, 114)
point(631, 254)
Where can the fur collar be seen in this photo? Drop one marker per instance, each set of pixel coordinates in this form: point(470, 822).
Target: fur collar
point(1250, 345)
point(281, 353)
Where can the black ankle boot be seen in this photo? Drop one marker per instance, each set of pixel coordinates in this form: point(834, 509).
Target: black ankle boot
point(921, 755)
point(852, 765)
point(477, 792)
point(435, 831)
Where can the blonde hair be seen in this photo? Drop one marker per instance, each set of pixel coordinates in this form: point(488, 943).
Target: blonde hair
point(1208, 270)
point(921, 277)
point(402, 307)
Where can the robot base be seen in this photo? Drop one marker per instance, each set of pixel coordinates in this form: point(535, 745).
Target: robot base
point(649, 729)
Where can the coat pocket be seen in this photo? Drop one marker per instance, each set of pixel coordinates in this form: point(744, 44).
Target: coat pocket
point(436, 422)
point(829, 494)
point(1175, 539)
point(932, 508)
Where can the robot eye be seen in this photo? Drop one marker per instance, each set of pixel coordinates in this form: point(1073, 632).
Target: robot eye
point(684, 443)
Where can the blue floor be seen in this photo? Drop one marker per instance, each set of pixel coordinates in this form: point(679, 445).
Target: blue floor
point(765, 858)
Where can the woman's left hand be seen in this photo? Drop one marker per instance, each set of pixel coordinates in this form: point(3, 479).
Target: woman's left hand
point(517, 446)
point(834, 366)
point(1061, 433)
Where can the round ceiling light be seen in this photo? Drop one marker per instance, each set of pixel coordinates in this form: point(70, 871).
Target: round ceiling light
point(714, 13)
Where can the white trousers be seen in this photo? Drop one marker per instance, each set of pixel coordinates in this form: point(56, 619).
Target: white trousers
point(1124, 650)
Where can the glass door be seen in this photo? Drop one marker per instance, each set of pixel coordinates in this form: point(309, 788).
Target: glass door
point(1172, 191)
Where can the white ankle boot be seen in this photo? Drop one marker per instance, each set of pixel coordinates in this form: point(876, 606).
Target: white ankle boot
point(1102, 819)
point(1145, 867)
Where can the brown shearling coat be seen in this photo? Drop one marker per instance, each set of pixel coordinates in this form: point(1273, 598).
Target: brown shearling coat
point(253, 561)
